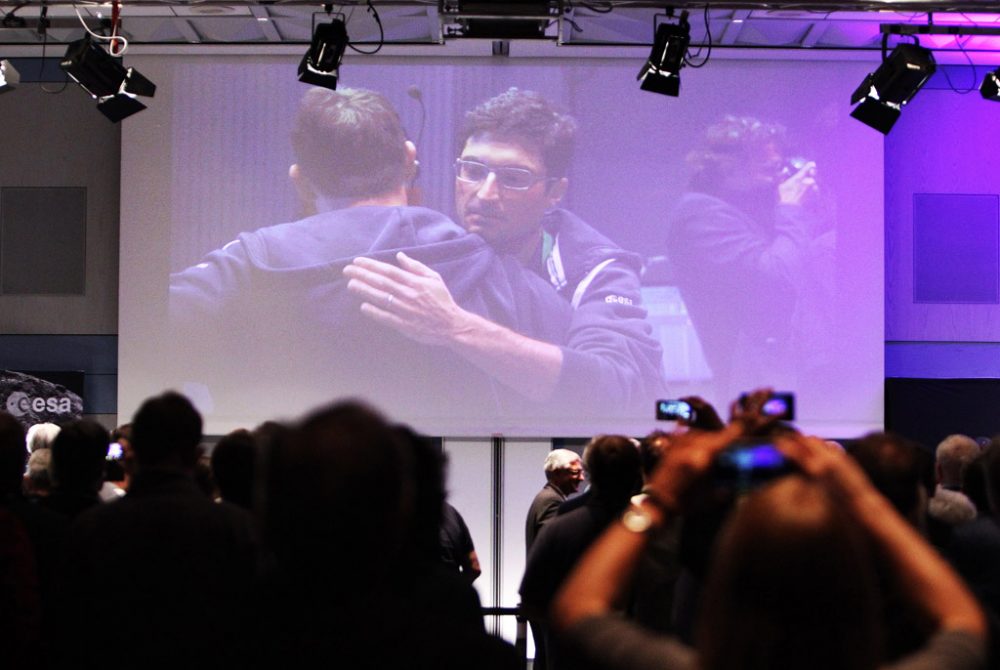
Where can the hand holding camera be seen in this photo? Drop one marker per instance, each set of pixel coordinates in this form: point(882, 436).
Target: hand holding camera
point(686, 463)
point(798, 182)
point(718, 454)
point(691, 411)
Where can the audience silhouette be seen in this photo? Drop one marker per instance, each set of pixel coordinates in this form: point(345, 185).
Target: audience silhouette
point(328, 547)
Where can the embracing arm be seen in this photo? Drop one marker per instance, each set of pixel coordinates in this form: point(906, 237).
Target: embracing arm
point(609, 345)
point(530, 367)
point(198, 293)
point(414, 300)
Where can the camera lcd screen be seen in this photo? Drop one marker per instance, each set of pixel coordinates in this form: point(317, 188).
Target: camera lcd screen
point(674, 410)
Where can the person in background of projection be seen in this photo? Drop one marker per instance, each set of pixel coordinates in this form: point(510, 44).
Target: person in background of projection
point(753, 257)
point(511, 174)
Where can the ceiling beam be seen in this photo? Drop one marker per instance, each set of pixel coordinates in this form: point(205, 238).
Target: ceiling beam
point(267, 26)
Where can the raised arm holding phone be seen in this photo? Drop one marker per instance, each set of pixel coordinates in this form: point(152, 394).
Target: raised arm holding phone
point(792, 583)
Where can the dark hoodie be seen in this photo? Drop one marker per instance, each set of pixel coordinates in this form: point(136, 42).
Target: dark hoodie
point(270, 311)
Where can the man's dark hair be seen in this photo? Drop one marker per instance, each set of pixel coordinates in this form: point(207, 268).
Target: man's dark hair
point(234, 461)
point(896, 467)
point(527, 119)
point(651, 450)
point(976, 478)
point(791, 577)
point(78, 454)
point(13, 455)
point(338, 485)
point(166, 430)
point(122, 432)
point(727, 143)
point(349, 143)
point(612, 463)
point(428, 462)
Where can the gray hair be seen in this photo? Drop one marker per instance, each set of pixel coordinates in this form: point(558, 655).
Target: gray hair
point(41, 436)
point(560, 459)
point(37, 470)
point(953, 454)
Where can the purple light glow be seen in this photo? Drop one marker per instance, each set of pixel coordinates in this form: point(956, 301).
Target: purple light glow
point(970, 42)
point(965, 18)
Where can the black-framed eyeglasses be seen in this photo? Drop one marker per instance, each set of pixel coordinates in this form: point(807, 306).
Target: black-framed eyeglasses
point(513, 178)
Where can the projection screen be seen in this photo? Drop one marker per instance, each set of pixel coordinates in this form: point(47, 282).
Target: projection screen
point(704, 245)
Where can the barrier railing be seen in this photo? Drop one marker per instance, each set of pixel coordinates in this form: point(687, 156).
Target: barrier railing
point(521, 639)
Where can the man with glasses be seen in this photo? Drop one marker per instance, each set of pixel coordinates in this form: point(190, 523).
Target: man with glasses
point(511, 175)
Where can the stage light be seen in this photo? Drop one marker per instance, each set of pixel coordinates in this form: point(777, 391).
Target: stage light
point(113, 86)
point(884, 92)
point(321, 64)
point(9, 77)
point(661, 73)
point(990, 88)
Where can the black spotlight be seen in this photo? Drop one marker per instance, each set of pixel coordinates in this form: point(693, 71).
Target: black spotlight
point(113, 86)
point(990, 88)
point(9, 77)
point(884, 92)
point(661, 73)
point(321, 64)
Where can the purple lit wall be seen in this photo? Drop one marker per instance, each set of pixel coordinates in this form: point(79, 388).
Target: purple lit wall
point(942, 180)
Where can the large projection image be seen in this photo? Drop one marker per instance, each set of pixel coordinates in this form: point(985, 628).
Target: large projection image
point(525, 247)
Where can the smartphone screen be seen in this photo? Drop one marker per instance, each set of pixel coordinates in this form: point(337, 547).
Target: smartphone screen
point(674, 410)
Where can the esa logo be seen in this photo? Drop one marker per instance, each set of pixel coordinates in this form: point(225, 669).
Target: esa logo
point(19, 404)
point(618, 300)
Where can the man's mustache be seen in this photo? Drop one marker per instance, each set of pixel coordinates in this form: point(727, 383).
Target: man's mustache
point(481, 208)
